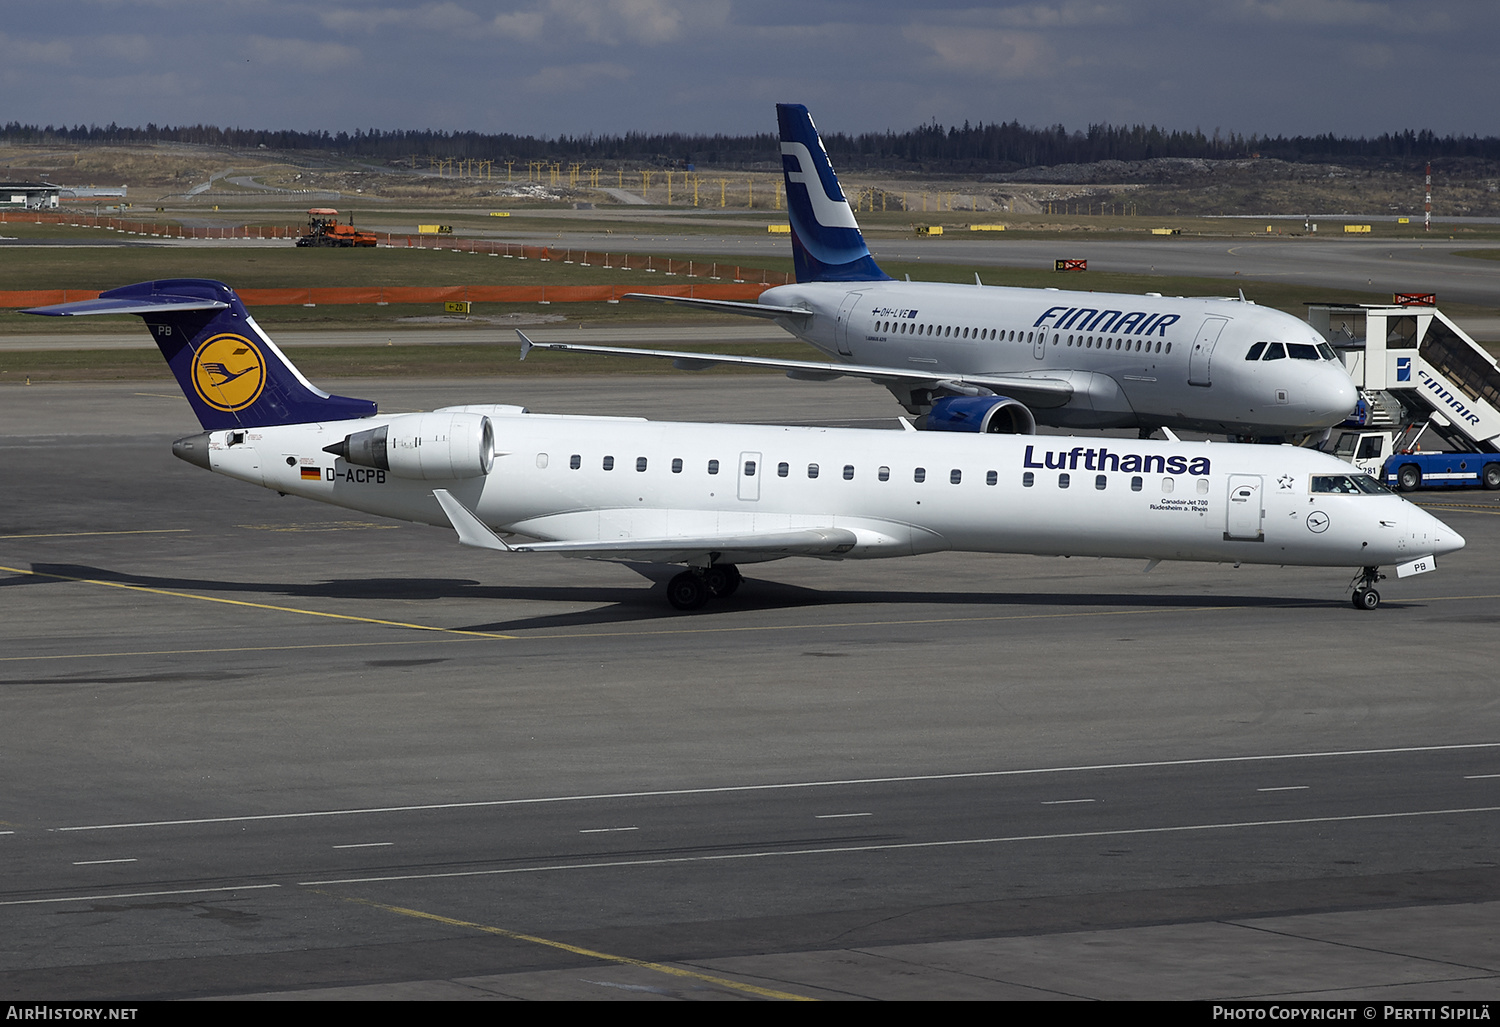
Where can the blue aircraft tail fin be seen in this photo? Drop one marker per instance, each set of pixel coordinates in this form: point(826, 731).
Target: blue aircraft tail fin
point(233, 375)
point(826, 242)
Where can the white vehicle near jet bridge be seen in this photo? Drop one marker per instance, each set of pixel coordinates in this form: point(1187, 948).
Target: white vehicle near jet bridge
point(714, 496)
point(974, 358)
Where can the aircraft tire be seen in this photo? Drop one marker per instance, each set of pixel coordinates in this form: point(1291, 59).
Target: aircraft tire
point(722, 580)
point(1491, 476)
point(1409, 478)
point(687, 592)
point(1366, 599)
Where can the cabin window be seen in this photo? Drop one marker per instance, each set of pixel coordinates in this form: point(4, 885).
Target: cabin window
point(677, 465)
point(1028, 479)
point(1255, 351)
point(749, 468)
point(812, 470)
point(640, 463)
point(782, 470)
point(884, 474)
point(1101, 482)
point(541, 461)
point(848, 472)
point(1167, 484)
point(919, 475)
point(1136, 483)
point(1064, 480)
point(955, 476)
point(991, 477)
point(609, 463)
point(713, 467)
point(575, 461)
point(1055, 338)
point(1202, 486)
point(1169, 346)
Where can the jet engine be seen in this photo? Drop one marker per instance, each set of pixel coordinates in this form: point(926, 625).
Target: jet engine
point(985, 415)
point(439, 445)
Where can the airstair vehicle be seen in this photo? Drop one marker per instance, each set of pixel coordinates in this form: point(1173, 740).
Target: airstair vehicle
point(1418, 373)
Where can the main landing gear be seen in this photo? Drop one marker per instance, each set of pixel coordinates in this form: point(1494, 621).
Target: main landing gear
point(692, 589)
point(1365, 597)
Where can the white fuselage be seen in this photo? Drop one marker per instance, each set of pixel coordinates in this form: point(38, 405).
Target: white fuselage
point(1134, 361)
point(898, 492)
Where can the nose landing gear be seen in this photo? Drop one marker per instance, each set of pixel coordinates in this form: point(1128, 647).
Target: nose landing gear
point(1365, 597)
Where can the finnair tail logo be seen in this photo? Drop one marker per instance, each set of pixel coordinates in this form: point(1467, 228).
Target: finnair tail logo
point(829, 212)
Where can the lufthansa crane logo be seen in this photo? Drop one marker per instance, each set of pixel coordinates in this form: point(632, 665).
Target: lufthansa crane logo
point(229, 372)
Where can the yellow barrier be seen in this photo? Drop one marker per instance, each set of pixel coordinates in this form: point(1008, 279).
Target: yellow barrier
point(1357, 229)
point(929, 229)
point(779, 229)
point(986, 228)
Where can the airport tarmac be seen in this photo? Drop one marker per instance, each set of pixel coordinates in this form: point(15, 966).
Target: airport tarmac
point(260, 747)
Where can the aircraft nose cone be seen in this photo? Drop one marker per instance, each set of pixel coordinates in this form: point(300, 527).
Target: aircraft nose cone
point(1446, 540)
point(1337, 396)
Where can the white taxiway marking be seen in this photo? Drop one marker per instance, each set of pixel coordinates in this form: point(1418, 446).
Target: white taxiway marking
point(363, 845)
point(952, 843)
point(840, 816)
point(1479, 777)
point(606, 830)
point(1065, 802)
point(785, 786)
point(138, 894)
point(99, 862)
point(1286, 788)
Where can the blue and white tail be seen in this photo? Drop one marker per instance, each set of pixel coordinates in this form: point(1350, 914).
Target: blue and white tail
point(231, 372)
point(826, 242)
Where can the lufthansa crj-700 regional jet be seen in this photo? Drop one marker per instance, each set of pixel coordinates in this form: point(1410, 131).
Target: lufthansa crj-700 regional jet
point(635, 490)
point(983, 359)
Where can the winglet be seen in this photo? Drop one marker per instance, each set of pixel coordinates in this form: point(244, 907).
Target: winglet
point(471, 530)
point(526, 344)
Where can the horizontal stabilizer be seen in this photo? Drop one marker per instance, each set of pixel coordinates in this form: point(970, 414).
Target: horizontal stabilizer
point(134, 305)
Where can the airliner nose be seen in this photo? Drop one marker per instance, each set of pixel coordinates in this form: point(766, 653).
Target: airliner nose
point(1335, 394)
point(1446, 540)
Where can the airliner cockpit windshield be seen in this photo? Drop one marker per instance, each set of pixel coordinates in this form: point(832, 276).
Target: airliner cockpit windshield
point(1348, 485)
point(1295, 350)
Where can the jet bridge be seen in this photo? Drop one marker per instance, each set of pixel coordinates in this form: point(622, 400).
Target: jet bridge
point(1414, 366)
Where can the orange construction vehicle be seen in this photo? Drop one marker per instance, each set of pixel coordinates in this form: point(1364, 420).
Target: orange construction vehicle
point(323, 229)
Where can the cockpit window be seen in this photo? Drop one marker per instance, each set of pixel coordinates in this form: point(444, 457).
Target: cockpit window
point(1302, 351)
point(1254, 353)
point(1274, 351)
point(1327, 351)
point(1347, 485)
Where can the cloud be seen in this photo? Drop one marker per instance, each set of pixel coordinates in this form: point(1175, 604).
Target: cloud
point(25, 51)
point(300, 53)
point(988, 53)
point(573, 78)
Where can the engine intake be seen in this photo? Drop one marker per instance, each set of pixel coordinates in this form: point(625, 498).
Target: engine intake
point(984, 415)
point(438, 445)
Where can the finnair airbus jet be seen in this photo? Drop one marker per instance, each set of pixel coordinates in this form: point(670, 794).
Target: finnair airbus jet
point(636, 490)
point(983, 359)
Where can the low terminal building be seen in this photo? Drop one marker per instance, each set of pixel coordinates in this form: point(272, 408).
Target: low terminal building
point(29, 195)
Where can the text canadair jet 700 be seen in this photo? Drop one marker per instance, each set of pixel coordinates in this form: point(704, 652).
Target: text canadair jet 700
point(983, 359)
point(635, 490)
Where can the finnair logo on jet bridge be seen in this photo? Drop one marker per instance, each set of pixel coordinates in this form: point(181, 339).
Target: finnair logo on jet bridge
point(830, 212)
point(1103, 460)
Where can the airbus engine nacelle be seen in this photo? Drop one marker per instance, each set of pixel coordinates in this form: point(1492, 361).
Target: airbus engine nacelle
point(428, 447)
point(983, 415)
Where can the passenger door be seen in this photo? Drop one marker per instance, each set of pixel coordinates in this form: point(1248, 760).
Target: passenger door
point(1203, 350)
point(1244, 519)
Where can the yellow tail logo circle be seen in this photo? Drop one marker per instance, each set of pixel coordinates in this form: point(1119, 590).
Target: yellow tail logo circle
point(229, 372)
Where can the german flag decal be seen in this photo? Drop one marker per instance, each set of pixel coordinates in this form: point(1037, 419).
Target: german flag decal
point(312, 474)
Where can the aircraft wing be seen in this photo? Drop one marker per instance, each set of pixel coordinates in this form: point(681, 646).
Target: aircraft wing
point(744, 547)
point(724, 306)
point(1038, 392)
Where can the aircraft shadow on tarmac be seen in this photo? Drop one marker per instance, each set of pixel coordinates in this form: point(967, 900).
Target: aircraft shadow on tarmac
point(616, 605)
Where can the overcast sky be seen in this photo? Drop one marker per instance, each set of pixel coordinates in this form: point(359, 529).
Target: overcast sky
point(551, 67)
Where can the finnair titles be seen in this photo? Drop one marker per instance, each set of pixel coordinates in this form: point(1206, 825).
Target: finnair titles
point(974, 358)
point(712, 497)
